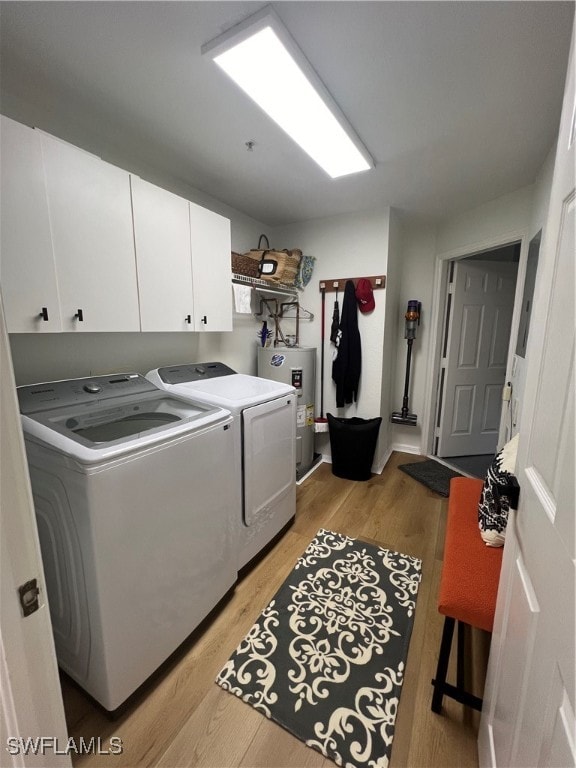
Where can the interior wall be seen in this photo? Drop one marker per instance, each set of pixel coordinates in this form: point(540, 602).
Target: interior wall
point(352, 245)
point(539, 213)
point(416, 282)
point(495, 223)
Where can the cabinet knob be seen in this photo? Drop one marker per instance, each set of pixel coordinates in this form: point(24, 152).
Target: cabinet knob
point(188, 319)
point(204, 320)
point(44, 313)
point(79, 316)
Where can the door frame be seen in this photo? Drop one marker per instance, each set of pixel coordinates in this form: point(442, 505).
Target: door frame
point(30, 694)
point(439, 294)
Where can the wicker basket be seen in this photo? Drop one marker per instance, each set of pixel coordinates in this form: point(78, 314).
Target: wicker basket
point(280, 266)
point(268, 264)
point(243, 264)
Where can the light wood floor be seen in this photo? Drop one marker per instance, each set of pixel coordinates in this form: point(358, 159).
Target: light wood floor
point(184, 719)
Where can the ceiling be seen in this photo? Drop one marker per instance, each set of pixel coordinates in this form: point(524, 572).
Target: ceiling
point(457, 102)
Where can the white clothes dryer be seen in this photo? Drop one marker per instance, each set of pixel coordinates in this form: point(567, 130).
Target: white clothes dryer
point(134, 516)
point(265, 443)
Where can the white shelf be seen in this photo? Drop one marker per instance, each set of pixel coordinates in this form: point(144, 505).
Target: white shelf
point(264, 286)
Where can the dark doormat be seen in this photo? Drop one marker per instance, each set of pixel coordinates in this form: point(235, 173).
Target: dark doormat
point(432, 474)
point(326, 657)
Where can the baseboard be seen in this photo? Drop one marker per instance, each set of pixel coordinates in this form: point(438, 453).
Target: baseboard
point(326, 458)
point(312, 469)
point(406, 448)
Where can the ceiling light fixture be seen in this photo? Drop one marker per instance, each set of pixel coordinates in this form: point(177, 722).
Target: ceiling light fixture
point(262, 58)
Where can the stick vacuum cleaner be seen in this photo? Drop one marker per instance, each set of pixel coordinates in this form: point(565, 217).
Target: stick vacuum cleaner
point(412, 318)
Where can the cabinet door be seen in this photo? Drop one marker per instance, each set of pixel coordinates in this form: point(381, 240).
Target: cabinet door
point(210, 241)
point(162, 237)
point(27, 271)
point(91, 217)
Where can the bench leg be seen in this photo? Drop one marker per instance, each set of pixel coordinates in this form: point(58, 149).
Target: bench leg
point(441, 687)
point(460, 657)
point(439, 681)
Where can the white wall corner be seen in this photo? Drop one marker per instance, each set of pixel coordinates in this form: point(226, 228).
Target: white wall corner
point(417, 280)
point(393, 283)
point(407, 448)
point(377, 469)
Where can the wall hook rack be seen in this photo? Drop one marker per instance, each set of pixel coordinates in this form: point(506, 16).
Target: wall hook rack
point(331, 286)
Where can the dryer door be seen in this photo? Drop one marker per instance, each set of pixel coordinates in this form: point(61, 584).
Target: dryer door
point(269, 438)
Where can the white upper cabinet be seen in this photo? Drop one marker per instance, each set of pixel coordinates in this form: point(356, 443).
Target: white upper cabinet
point(87, 247)
point(210, 244)
point(91, 218)
point(27, 270)
point(162, 237)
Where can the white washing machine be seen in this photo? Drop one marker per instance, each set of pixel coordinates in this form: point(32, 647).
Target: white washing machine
point(134, 516)
point(265, 443)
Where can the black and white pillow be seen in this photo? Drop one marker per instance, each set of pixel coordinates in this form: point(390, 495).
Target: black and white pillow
point(493, 507)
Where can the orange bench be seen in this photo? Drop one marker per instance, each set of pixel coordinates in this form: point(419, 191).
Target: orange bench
point(468, 586)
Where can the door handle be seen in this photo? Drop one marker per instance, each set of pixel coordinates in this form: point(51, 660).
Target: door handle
point(188, 319)
point(204, 320)
point(79, 316)
point(44, 313)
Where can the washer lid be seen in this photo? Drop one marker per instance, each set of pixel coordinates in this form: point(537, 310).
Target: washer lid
point(235, 391)
point(92, 430)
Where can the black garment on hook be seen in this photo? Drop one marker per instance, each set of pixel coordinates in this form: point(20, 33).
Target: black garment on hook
point(348, 362)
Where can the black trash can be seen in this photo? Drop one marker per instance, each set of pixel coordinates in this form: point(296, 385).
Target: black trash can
point(352, 443)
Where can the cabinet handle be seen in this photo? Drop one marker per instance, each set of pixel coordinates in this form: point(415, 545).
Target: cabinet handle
point(188, 319)
point(44, 313)
point(204, 320)
point(79, 316)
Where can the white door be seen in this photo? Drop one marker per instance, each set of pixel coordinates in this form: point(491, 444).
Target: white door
point(27, 271)
point(529, 702)
point(211, 269)
point(163, 258)
point(30, 699)
point(93, 238)
point(474, 359)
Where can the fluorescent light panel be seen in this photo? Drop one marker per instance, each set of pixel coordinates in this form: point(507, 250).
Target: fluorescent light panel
point(261, 57)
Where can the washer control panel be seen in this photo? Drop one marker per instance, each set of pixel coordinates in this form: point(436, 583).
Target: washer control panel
point(53, 394)
point(179, 374)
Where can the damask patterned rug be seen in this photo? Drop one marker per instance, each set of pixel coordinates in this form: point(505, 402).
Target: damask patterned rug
point(326, 657)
